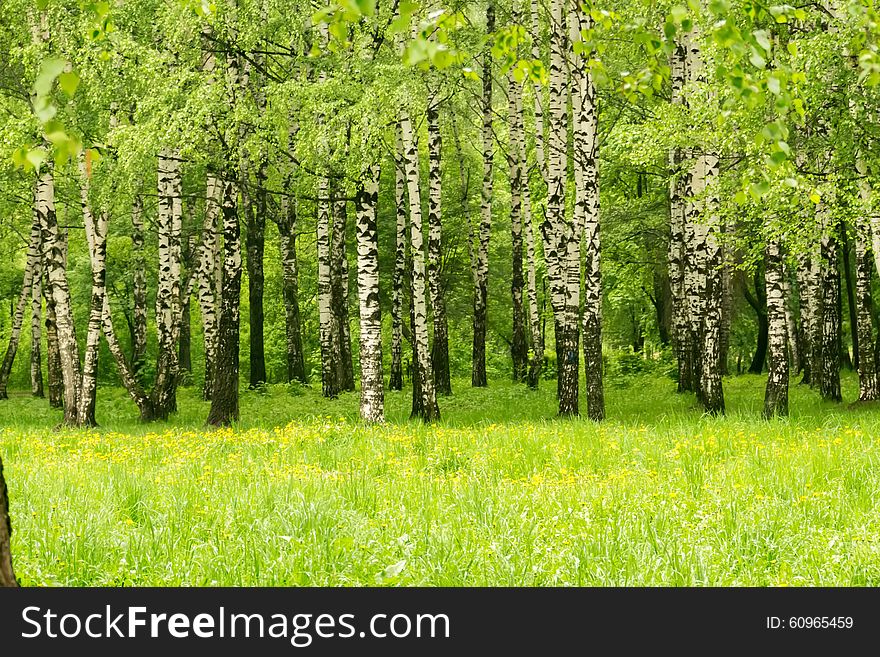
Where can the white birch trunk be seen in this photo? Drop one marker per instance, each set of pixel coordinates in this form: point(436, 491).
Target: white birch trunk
point(372, 377)
point(169, 281)
point(440, 345)
point(586, 212)
point(481, 288)
point(206, 291)
point(426, 407)
point(776, 395)
point(869, 386)
point(96, 237)
point(540, 150)
point(54, 247)
point(678, 185)
point(559, 238)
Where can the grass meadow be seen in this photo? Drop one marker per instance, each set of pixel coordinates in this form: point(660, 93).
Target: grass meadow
point(301, 493)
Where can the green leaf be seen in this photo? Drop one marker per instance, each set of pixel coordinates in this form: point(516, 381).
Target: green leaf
point(762, 38)
point(759, 189)
point(777, 158)
point(815, 198)
point(49, 70)
point(416, 51)
point(68, 82)
point(678, 13)
point(36, 157)
point(756, 59)
point(740, 198)
point(366, 7)
point(19, 157)
point(792, 48)
point(45, 112)
point(442, 59)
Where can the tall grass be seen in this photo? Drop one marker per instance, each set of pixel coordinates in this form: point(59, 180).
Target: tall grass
point(498, 493)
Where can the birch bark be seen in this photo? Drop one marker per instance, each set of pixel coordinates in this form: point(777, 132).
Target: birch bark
point(776, 394)
point(440, 344)
point(372, 377)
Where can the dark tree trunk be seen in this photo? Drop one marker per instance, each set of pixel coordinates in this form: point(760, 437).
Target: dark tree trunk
point(417, 399)
point(30, 283)
point(758, 302)
point(519, 349)
point(7, 575)
point(37, 332)
point(661, 299)
point(726, 312)
point(139, 322)
point(340, 286)
point(829, 385)
point(184, 347)
point(850, 299)
point(395, 380)
point(296, 367)
point(224, 395)
point(184, 339)
point(256, 242)
point(569, 368)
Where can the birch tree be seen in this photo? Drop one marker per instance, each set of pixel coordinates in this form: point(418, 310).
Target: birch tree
point(139, 292)
point(424, 396)
point(96, 235)
point(869, 387)
point(255, 209)
point(372, 377)
point(829, 343)
point(287, 232)
point(169, 282)
point(54, 246)
point(678, 184)
point(518, 347)
point(53, 352)
point(224, 394)
point(205, 288)
point(440, 344)
point(397, 285)
point(776, 394)
point(561, 239)
point(481, 273)
point(340, 289)
point(586, 211)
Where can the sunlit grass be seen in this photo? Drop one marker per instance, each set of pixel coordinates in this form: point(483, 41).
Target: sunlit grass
point(499, 493)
